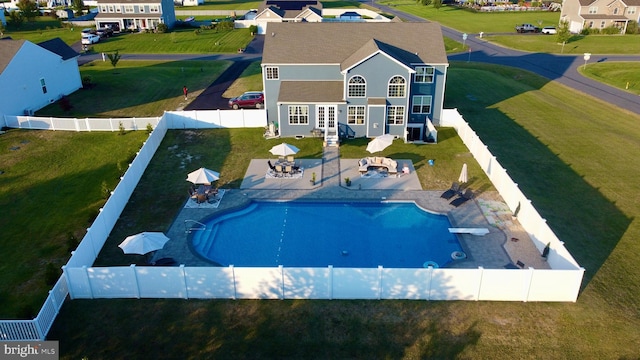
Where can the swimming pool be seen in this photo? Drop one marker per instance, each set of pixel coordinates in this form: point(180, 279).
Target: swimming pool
point(318, 234)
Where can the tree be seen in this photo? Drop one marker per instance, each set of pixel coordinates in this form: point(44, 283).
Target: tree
point(16, 18)
point(28, 9)
point(563, 32)
point(77, 6)
point(114, 58)
point(437, 4)
point(424, 2)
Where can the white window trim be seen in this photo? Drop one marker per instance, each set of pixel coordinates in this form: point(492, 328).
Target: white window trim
point(271, 77)
point(593, 10)
point(304, 112)
point(129, 9)
point(631, 10)
point(421, 103)
point(154, 8)
point(404, 86)
point(356, 114)
point(396, 107)
point(424, 75)
point(357, 84)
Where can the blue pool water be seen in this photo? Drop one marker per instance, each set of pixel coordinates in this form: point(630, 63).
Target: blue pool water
point(313, 234)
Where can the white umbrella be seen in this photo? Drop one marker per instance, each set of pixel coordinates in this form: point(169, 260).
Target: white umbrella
point(380, 143)
point(143, 243)
point(284, 149)
point(203, 176)
point(463, 174)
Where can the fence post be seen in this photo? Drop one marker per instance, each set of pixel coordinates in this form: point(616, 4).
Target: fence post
point(233, 278)
point(330, 282)
point(184, 279)
point(135, 277)
point(281, 268)
point(481, 269)
point(529, 281)
point(379, 282)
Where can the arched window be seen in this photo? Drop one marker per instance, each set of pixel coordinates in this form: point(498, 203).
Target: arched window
point(357, 87)
point(397, 87)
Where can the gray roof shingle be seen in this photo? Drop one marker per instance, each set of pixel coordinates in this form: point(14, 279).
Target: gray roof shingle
point(348, 43)
point(8, 49)
point(57, 46)
point(311, 91)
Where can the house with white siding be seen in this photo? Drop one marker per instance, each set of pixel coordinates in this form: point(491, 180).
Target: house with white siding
point(135, 15)
point(35, 75)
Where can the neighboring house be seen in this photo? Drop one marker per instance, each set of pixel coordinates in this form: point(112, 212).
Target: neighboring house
point(354, 79)
point(599, 14)
point(287, 11)
point(188, 2)
point(3, 20)
point(135, 15)
point(33, 76)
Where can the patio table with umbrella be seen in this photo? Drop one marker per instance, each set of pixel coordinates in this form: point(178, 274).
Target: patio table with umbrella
point(464, 176)
point(380, 143)
point(284, 149)
point(203, 176)
point(143, 243)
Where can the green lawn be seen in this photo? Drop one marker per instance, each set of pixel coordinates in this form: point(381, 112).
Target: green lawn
point(595, 44)
point(623, 75)
point(248, 5)
point(51, 187)
point(570, 160)
point(178, 41)
point(158, 87)
point(500, 23)
point(42, 29)
point(249, 80)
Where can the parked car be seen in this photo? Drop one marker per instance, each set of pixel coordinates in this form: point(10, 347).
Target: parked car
point(90, 39)
point(549, 30)
point(88, 31)
point(523, 28)
point(247, 100)
point(104, 32)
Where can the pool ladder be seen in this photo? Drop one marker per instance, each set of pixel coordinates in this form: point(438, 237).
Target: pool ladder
point(189, 226)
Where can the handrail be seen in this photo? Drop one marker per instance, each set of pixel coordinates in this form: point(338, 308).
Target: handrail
point(188, 230)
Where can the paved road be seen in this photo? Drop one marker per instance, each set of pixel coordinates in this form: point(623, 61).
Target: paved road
point(560, 68)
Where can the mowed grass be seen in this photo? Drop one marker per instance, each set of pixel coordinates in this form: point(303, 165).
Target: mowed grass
point(249, 4)
point(137, 88)
point(52, 184)
point(473, 23)
point(249, 80)
point(177, 41)
point(43, 28)
point(499, 27)
point(573, 162)
point(623, 75)
point(577, 45)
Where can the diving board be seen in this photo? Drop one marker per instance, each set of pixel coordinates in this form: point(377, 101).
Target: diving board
point(472, 231)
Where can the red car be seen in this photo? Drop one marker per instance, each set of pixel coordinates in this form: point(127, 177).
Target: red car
point(250, 99)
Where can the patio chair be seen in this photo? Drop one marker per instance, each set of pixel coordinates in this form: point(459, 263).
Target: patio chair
point(290, 159)
point(271, 165)
point(468, 195)
point(192, 194)
point(453, 191)
point(288, 170)
point(279, 171)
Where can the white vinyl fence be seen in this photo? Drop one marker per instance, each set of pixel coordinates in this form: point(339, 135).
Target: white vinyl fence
point(80, 280)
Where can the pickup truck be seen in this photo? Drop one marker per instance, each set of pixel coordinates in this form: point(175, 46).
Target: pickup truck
point(523, 28)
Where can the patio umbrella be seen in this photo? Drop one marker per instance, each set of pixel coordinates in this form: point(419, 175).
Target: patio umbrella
point(380, 143)
point(203, 176)
point(463, 174)
point(143, 243)
point(284, 149)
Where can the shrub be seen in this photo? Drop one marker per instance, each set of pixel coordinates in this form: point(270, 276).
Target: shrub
point(149, 128)
point(121, 129)
point(65, 103)
point(611, 30)
point(51, 274)
point(632, 27)
point(253, 29)
point(72, 242)
point(86, 82)
point(162, 28)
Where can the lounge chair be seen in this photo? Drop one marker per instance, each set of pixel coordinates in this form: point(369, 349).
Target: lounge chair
point(453, 191)
point(271, 165)
point(468, 195)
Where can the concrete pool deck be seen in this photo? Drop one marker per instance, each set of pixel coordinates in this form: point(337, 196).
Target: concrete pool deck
point(506, 244)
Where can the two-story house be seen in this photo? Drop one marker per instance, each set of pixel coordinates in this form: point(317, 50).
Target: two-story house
point(599, 14)
point(354, 79)
point(33, 76)
point(135, 15)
